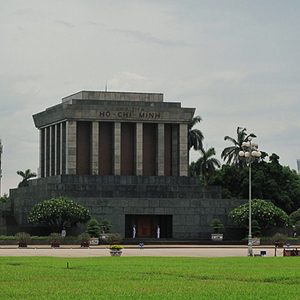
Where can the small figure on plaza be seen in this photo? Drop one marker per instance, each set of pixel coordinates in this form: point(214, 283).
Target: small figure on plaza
point(133, 232)
point(63, 233)
point(158, 232)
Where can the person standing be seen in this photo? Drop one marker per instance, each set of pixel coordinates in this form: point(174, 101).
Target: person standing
point(133, 232)
point(158, 232)
point(63, 233)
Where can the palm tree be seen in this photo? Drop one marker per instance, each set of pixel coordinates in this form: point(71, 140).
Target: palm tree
point(26, 176)
point(206, 165)
point(195, 136)
point(231, 153)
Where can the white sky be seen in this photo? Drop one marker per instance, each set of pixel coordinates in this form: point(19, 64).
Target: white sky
point(237, 62)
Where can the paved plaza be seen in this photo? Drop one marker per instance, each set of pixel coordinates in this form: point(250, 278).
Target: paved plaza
point(188, 250)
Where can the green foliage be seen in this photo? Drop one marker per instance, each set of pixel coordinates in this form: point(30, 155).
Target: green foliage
point(295, 216)
point(115, 247)
point(23, 237)
point(270, 181)
point(84, 237)
point(114, 238)
point(93, 228)
point(25, 177)
point(256, 229)
point(105, 226)
point(231, 153)
point(4, 198)
point(8, 237)
point(205, 166)
point(265, 213)
point(217, 226)
point(195, 136)
point(297, 228)
point(58, 213)
point(55, 237)
point(279, 237)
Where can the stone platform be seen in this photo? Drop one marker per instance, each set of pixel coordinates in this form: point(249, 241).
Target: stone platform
point(188, 207)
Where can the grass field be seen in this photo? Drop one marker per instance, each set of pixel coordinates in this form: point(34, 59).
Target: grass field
point(149, 278)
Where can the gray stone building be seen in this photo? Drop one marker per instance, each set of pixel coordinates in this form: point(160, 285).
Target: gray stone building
point(124, 156)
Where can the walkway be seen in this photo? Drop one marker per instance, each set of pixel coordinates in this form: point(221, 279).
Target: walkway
point(188, 250)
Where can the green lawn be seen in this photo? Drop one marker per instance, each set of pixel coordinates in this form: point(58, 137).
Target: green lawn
point(150, 278)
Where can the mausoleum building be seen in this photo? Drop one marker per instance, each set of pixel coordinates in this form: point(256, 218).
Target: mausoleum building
point(109, 133)
point(125, 157)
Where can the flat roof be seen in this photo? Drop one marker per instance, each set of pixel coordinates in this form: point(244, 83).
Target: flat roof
point(115, 96)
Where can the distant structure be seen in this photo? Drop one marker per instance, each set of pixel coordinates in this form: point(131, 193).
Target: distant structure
point(298, 165)
point(1, 150)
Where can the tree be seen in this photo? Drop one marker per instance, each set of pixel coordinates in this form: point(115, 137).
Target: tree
point(265, 213)
point(256, 230)
point(58, 213)
point(93, 228)
point(195, 136)
point(231, 153)
point(206, 165)
point(26, 176)
point(217, 226)
point(270, 181)
point(295, 216)
point(4, 198)
point(105, 226)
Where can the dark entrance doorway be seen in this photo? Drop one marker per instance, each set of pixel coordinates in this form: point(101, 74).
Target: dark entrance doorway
point(146, 226)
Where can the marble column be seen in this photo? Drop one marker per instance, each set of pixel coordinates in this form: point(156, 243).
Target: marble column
point(95, 148)
point(160, 150)
point(55, 158)
point(175, 149)
point(183, 150)
point(139, 149)
point(57, 149)
point(50, 151)
point(41, 172)
point(47, 152)
point(71, 147)
point(117, 148)
point(62, 166)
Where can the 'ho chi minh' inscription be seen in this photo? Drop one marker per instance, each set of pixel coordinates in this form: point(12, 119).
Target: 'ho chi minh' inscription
point(146, 115)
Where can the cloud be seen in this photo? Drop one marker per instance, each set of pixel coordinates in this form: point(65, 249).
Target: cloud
point(64, 23)
point(238, 65)
point(147, 37)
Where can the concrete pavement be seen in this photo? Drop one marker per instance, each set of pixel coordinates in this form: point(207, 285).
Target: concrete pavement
point(97, 251)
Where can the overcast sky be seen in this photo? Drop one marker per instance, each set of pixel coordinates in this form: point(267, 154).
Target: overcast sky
point(237, 62)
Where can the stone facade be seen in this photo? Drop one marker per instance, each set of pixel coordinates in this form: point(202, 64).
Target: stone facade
point(113, 198)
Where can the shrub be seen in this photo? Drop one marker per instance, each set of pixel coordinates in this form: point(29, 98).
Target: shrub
point(93, 228)
point(113, 238)
point(58, 213)
point(279, 238)
point(55, 237)
point(23, 237)
point(105, 226)
point(115, 247)
point(265, 213)
point(217, 226)
point(84, 237)
point(8, 237)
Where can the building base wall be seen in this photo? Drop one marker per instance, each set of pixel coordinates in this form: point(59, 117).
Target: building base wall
point(190, 206)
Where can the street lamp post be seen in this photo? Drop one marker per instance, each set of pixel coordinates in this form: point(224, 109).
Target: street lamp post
point(250, 153)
